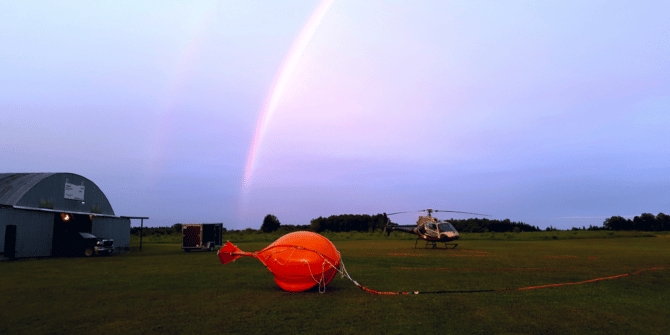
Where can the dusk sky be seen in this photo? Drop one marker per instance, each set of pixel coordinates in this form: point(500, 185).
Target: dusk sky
point(545, 112)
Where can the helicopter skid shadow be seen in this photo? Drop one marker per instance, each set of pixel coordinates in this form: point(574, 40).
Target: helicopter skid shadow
point(433, 245)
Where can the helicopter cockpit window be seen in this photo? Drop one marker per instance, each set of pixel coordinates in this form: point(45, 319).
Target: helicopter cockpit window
point(447, 227)
point(432, 226)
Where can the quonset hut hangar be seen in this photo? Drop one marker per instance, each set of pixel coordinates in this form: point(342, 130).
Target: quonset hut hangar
point(39, 212)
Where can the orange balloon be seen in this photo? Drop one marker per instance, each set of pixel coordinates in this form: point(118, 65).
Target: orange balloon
point(298, 260)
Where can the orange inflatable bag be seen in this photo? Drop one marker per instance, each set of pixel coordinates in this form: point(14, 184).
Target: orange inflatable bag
point(299, 260)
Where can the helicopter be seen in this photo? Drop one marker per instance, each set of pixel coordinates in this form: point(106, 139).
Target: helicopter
point(428, 228)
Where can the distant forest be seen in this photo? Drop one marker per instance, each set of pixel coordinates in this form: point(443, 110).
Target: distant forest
point(348, 222)
point(351, 222)
point(486, 225)
point(363, 223)
point(644, 222)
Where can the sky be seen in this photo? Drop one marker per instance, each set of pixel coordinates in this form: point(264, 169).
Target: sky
point(544, 112)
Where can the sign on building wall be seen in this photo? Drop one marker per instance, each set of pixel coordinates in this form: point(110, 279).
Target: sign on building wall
point(74, 192)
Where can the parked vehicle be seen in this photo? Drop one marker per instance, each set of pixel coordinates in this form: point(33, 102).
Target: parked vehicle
point(87, 244)
point(202, 236)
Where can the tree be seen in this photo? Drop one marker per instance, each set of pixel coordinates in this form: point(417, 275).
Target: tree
point(662, 222)
point(177, 227)
point(644, 222)
point(270, 224)
point(617, 223)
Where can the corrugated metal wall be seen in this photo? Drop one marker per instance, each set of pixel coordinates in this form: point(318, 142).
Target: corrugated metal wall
point(34, 231)
point(117, 229)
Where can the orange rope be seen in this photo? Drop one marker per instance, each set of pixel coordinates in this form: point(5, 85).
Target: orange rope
point(650, 269)
point(586, 281)
point(343, 272)
point(561, 284)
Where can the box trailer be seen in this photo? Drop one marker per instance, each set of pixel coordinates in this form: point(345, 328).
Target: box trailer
point(204, 236)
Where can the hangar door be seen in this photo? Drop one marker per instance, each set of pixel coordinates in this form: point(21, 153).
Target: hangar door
point(66, 228)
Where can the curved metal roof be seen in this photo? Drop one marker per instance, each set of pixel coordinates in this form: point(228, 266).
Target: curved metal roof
point(48, 191)
point(14, 185)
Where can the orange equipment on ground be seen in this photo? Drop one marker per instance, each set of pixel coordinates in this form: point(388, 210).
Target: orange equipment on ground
point(298, 260)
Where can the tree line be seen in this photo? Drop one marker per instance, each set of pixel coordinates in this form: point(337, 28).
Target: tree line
point(348, 222)
point(363, 223)
point(351, 222)
point(644, 222)
point(146, 231)
point(485, 225)
point(175, 229)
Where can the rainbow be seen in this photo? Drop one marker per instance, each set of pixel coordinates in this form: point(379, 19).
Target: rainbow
point(198, 24)
point(279, 85)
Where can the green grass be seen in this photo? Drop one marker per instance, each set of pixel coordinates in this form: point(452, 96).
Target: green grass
point(163, 289)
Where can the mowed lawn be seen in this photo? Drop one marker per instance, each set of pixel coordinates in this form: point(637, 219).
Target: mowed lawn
point(165, 290)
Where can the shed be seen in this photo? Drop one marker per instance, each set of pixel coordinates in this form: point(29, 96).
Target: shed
point(38, 211)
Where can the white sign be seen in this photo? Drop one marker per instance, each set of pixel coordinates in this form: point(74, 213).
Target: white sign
point(74, 192)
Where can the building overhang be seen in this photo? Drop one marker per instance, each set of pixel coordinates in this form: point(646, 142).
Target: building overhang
point(61, 211)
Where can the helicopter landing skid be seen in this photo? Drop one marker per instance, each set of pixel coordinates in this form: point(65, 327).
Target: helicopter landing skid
point(433, 245)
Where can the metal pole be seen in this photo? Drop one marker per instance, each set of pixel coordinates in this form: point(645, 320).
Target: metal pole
point(141, 227)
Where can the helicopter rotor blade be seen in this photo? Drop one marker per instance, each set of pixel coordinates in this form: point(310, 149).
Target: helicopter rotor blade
point(437, 210)
point(400, 212)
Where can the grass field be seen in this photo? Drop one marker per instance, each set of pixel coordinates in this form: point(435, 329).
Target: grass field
point(165, 290)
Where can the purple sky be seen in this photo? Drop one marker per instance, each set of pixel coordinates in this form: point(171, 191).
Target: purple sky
point(547, 112)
